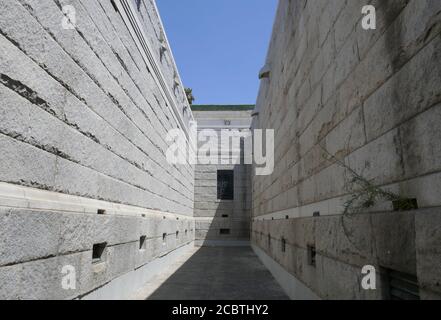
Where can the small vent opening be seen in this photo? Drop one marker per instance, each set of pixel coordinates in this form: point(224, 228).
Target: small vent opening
point(312, 256)
point(142, 242)
point(401, 286)
point(98, 251)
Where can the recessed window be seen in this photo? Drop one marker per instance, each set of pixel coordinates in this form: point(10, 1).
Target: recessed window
point(225, 216)
point(186, 231)
point(283, 245)
point(312, 256)
point(177, 234)
point(224, 231)
point(164, 238)
point(98, 251)
point(269, 240)
point(401, 286)
point(101, 211)
point(225, 185)
point(142, 242)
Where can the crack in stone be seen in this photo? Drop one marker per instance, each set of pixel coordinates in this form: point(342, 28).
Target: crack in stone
point(46, 147)
point(35, 99)
point(26, 93)
point(70, 89)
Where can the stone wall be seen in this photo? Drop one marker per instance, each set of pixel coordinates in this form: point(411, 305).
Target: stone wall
point(371, 99)
point(84, 113)
point(212, 214)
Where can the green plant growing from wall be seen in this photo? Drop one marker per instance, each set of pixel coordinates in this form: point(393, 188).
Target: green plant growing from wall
point(189, 94)
point(363, 193)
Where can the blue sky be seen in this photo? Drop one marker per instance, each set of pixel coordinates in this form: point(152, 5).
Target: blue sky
point(219, 45)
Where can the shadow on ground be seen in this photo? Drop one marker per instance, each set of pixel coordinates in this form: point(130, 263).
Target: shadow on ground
point(221, 273)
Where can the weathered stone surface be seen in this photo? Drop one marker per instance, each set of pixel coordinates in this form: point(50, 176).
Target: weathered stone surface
point(30, 235)
point(428, 251)
point(82, 114)
point(26, 40)
point(394, 240)
point(233, 216)
point(370, 100)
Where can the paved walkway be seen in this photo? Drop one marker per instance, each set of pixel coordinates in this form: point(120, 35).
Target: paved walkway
point(216, 273)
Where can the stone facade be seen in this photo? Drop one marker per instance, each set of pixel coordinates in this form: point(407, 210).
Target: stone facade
point(91, 208)
point(371, 99)
point(84, 113)
point(222, 222)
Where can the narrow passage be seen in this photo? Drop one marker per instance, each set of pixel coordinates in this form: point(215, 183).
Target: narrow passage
point(220, 273)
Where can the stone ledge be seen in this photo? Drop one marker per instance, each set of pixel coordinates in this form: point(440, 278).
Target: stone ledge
point(15, 196)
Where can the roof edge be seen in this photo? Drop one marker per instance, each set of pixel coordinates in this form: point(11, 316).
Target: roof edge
point(218, 107)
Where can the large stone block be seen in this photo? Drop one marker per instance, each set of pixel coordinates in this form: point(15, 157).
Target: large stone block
point(421, 147)
point(394, 237)
point(428, 251)
point(346, 238)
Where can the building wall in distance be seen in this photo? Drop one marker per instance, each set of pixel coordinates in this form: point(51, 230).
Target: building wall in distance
point(83, 124)
point(211, 214)
point(371, 99)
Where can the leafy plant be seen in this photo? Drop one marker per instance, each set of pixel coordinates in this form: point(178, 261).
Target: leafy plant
point(364, 194)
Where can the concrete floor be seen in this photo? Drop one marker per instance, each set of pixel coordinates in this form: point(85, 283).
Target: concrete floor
point(216, 273)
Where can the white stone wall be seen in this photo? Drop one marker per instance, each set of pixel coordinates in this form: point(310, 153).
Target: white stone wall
point(83, 123)
point(212, 214)
point(372, 99)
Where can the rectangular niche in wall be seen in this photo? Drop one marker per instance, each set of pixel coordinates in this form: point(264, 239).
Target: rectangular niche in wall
point(400, 286)
point(164, 239)
point(98, 252)
point(283, 244)
point(311, 255)
point(142, 243)
point(225, 184)
point(224, 231)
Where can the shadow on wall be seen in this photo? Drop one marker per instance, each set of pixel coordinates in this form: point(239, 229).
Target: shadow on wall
point(222, 207)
